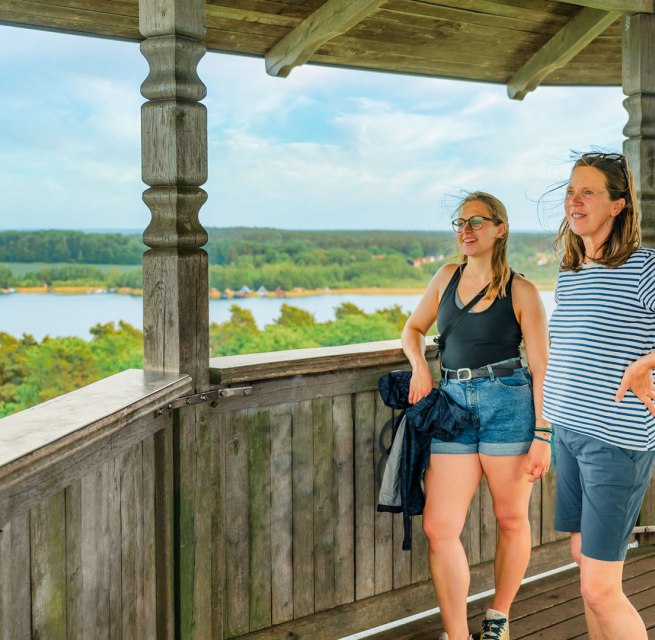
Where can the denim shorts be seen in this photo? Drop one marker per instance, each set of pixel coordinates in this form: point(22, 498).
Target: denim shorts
point(599, 491)
point(503, 415)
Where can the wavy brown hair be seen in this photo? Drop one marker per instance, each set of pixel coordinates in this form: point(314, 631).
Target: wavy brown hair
point(500, 271)
point(625, 236)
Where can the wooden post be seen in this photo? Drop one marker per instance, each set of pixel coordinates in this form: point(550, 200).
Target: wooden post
point(176, 314)
point(639, 86)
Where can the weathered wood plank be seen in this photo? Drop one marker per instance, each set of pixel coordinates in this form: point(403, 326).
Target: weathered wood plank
point(559, 50)
point(399, 603)
point(221, 496)
point(48, 568)
point(365, 495)
point(324, 506)
point(420, 566)
point(131, 595)
point(471, 533)
point(383, 521)
point(77, 584)
point(534, 513)
point(639, 87)
point(282, 364)
point(344, 500)
point(15, 596)
point(402, 560)
point(259, 492)
point(303, 509)
point(196, 509)
point(333, 18)
point(487, 523)
point(94, 554)
point(164, 532)
point(45, 449)
point(148, 612)
point(625, 6)
point(115, 546)
point(237, 508)
point(281, 513)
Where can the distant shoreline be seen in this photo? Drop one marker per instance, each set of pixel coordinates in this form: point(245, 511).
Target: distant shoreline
point(83, 290)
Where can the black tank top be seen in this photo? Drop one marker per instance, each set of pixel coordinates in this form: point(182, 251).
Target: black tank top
point(480, 338)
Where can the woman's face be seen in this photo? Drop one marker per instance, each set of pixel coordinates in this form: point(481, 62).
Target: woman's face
point(589, 210)
point(476, 242)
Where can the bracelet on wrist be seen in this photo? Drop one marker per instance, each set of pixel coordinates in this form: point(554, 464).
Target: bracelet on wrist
point(544, 429)
point(536, 437)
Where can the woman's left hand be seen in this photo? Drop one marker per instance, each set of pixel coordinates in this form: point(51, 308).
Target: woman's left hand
point(638, 378)
point(538, 463)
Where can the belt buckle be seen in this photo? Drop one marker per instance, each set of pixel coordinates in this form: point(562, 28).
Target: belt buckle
point(463, 374)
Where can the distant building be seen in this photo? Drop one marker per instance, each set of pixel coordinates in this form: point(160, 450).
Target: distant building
point(417, 262)
point(244, 292)
point(279, 292)
point(262, 291)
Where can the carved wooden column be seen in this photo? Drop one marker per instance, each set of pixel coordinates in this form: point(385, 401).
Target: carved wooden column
point(175, 301)
point(639, 86)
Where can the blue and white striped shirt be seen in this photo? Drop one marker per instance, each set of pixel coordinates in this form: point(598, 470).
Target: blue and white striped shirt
point(604, 320)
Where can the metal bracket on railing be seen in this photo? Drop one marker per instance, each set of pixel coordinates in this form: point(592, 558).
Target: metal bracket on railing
point(212, 396)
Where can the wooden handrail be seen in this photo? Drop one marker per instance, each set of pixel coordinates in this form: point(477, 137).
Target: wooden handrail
point(282, 364)
point(45, 448)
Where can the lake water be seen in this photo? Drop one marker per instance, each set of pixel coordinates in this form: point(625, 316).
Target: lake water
point(56, 314)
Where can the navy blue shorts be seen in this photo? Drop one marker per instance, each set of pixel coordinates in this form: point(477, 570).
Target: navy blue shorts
point(599, 491)
point(503, 415)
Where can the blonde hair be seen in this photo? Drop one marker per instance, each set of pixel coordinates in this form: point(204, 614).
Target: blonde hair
point(625, 236)
point(500, 271)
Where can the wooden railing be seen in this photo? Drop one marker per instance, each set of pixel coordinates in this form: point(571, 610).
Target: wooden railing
point(265, 526)
point(306, 553)
point(81, 517)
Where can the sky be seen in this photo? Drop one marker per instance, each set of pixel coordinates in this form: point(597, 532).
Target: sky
point(324, 148)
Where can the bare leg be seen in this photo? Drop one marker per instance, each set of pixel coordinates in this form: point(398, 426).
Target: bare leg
point(613, 614)
point(510, 491)
point(450, 482)
point(593, 627)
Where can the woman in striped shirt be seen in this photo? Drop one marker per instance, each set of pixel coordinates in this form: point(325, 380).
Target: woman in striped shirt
point(599, 391)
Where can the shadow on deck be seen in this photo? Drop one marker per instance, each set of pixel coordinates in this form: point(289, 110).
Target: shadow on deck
point(551, 608)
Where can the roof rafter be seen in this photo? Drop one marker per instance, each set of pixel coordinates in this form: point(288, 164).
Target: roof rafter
point(625, 6)
point(330, 20)
point(560, 49)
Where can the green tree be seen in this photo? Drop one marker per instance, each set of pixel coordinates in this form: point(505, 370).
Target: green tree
point(348, 309)
point(291, 316)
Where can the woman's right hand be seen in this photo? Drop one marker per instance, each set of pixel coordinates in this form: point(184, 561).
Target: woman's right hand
point(421, 383)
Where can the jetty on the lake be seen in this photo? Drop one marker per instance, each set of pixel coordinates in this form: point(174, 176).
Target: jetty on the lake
point(235, 497)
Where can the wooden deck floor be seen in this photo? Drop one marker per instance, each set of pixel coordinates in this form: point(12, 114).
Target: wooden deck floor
point(551, 608)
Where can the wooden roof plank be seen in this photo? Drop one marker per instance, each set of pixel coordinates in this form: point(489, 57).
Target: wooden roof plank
point(625, 6)
point(332, 19)
point(559, 50)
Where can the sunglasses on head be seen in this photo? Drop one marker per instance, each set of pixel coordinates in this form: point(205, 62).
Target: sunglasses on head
point(618, 158)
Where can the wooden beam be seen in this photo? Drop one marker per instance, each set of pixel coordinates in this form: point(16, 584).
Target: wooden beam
point(559, 50)
point(332, 19)
point(624, 6)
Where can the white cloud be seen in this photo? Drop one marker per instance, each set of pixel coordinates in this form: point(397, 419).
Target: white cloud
point(324, 148)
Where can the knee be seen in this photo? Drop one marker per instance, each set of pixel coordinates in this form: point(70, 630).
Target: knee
point(596, 593)
point(440, 530)
point(510, 523)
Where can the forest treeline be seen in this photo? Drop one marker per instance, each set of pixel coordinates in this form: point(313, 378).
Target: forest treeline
point(32, 372)
point(256, 257)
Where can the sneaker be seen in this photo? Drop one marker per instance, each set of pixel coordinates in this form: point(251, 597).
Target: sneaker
point(495, 626)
